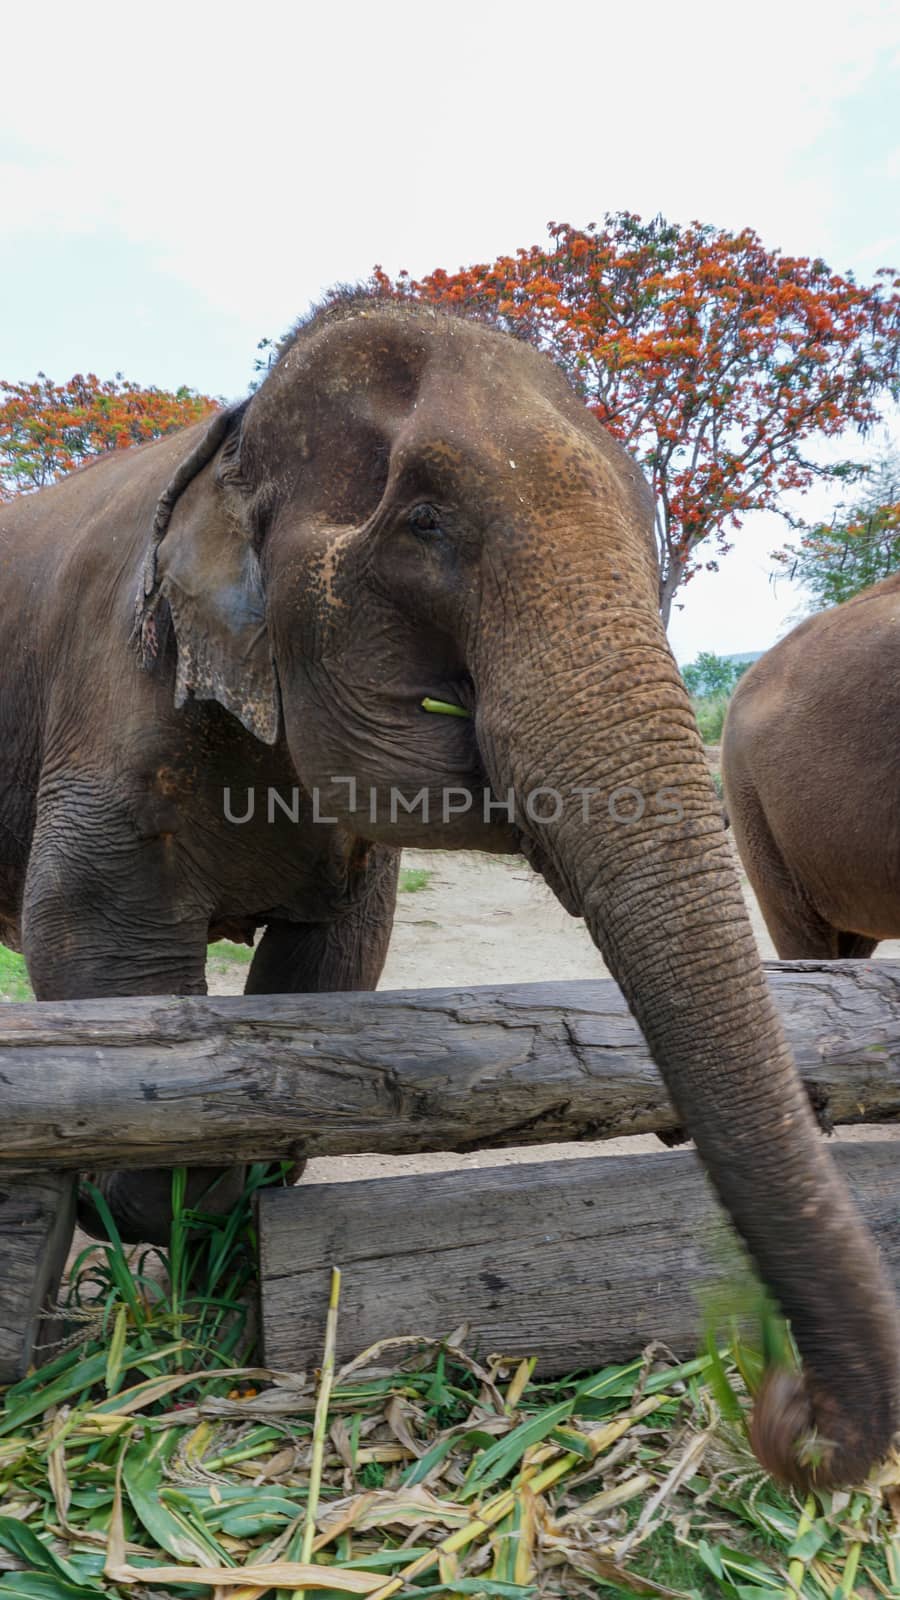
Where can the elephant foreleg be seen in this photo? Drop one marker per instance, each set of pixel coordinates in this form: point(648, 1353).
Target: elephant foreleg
point(107, 912)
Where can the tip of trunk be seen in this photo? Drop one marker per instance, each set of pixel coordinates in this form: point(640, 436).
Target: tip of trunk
point(796, 1445)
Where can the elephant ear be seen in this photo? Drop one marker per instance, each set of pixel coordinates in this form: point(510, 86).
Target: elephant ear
point(202, 570)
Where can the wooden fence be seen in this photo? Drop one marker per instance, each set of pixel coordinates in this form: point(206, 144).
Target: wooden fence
point(202, 1081)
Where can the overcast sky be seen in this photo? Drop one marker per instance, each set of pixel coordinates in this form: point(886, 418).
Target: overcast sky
point(178, 181)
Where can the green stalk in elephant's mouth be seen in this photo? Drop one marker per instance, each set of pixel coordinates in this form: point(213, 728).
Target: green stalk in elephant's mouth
point(445, 707)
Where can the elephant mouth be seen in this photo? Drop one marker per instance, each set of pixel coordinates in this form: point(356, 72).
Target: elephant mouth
point(456, 699)
point(446, 708)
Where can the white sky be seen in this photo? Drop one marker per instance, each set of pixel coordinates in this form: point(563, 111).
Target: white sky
point(180, 180)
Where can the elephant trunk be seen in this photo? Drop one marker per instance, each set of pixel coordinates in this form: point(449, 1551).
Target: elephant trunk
point(644, 858)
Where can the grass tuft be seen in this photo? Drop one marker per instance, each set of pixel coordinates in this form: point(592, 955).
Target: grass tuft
point(412, 879)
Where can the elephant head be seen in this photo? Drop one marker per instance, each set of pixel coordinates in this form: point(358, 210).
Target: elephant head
point(415, 505)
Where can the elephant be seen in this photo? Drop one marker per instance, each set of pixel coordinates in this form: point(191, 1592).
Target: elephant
point(812, 780)
point(414, 514)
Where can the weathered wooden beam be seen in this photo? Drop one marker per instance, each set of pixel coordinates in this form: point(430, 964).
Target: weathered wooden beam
point(37, 1219)
point(146, 1082)
point(581, 1262)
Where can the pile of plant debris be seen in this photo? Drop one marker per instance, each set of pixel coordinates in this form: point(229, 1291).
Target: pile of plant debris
point(151, 1457)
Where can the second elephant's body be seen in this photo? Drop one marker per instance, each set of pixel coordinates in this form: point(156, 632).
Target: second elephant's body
point(811, 769)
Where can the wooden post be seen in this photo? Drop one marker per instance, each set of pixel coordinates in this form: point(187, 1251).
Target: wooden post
point(580, 1262)
point(37, 1219)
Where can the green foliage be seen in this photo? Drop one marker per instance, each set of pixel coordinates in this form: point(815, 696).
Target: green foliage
point(710, 681)
point(14, 983)
point(712, 675)
point(710, 713)
point(837, 560)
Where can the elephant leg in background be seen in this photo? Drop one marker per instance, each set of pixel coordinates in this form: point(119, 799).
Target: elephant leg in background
point(107, 913)
point(855, 946)
point(346, 952)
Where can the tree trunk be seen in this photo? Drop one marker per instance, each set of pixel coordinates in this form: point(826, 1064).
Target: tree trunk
point(670, 576)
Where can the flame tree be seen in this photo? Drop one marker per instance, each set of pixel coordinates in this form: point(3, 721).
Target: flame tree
point(719, 363)
point(47, 429)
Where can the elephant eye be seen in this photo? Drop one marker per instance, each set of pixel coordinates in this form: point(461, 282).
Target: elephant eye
point(424, 519)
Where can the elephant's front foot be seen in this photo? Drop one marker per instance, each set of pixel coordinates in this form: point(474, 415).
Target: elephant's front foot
point(141, 1202)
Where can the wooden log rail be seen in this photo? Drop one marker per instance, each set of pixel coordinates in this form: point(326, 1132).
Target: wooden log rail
point(154, 1081)
point(578, 1262)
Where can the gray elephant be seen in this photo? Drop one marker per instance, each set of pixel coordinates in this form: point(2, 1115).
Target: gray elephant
point(811, 773)
point(412, 507)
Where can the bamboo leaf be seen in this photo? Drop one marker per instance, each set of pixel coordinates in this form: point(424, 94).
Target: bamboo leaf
point(43, 1586)
point(142, 1476)
point(444, 707)
point(21, 1541)
point(116, 1351)
point(502, 1457)
point(275, 1575)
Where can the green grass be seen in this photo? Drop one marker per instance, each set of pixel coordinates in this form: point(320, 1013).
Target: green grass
point(223, 954)
point(672, 1563)
point(412, 879)
point(152, 1440)
point(14, 983)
